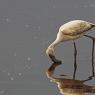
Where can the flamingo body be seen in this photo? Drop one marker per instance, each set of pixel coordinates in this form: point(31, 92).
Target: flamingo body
point(74, 29)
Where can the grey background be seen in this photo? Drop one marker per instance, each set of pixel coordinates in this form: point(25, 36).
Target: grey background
point(27, 27)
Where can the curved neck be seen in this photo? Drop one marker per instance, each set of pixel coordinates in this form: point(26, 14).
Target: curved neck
point(50, 51)
point(56, 42)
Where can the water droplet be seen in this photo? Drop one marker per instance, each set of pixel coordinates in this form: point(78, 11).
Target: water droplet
point(28, 59)
point(8, 74)
point(12, 78)
point(7, 19)
point(19, 74)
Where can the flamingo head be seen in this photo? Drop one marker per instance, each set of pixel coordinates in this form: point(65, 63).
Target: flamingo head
point(50, 51)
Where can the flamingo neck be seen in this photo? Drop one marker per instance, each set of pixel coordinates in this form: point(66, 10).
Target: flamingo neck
point(50, 50)
point(54, 44)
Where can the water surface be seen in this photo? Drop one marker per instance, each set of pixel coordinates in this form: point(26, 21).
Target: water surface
point(27, 27)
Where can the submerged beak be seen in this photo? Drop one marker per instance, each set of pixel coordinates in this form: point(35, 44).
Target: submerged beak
point(50, 53)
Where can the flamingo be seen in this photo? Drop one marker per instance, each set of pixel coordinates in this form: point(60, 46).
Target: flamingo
point(69, 31)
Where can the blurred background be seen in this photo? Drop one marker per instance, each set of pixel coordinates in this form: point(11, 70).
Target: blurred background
point(27, 27)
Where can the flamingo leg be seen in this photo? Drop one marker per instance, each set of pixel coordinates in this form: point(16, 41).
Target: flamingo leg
point(93, 70)
point(75, 63)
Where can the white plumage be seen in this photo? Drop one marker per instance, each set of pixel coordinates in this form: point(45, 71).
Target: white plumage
point(69, 31)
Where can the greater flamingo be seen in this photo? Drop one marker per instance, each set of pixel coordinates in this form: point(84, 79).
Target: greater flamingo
point(69, 31)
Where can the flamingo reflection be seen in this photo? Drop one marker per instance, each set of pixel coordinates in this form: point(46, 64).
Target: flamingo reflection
point(72, 86)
